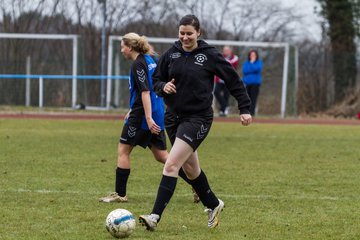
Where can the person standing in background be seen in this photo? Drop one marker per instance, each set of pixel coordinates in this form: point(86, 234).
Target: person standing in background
point(155, 55)
point(252, 77)
point(221, 93)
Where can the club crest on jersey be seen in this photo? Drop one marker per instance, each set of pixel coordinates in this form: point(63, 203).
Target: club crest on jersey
point(175, 55)
point(141, 75)
point(200, 59)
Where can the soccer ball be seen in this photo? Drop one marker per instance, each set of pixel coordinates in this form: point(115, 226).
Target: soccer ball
point(120, 223)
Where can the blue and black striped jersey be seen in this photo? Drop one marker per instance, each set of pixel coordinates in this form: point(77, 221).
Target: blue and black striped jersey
point(140, 80)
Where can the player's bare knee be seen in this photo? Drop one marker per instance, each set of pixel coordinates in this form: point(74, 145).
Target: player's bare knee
point(123, 160)
point(123, 155)
point(192, 173)
point(171, 168)
point(161, 157)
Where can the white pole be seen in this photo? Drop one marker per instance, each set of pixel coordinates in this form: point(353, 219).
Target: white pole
point(36, 36)
point(41, 93)
point(103, 46)
point(109, 72)
point(296, 77)
point(117, 81)
point(27, 83)
point(74, 73)
point(284, 81)
point(108, 93)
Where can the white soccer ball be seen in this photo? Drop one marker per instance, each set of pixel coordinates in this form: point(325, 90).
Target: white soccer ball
point(120, 223)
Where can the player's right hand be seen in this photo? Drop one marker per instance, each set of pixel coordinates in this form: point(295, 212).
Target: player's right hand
point(245, 119)
point(153, 127)
point(170, 87)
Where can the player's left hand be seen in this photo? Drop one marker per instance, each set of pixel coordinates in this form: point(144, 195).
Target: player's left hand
point(245, 119)
point(127, 115)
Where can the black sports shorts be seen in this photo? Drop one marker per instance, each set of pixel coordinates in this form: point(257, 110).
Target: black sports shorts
point(134, 136)
point(191, 129)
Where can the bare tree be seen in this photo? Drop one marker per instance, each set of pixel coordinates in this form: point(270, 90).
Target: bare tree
point(316, 81)
point(118, 13)
point(342, 33)
point(259, 20)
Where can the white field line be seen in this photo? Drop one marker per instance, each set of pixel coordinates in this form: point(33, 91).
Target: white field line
point(233, 196)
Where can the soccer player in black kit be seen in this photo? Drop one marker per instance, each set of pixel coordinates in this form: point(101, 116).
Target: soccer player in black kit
point(184, 77)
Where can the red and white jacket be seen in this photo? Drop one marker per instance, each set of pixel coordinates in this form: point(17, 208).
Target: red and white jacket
point(234, 61)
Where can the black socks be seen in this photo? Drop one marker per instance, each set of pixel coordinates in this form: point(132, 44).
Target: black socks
point(202, 188)
point(183, 176)
point(122, 176)
point(167, 188)
point(165, 192)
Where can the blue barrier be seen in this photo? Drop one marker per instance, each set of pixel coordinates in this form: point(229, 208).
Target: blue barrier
point(74, 78)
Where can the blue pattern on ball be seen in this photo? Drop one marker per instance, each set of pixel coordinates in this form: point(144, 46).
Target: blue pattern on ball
point(123, 219)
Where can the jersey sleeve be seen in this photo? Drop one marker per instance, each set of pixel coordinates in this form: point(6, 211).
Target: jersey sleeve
point(141, 76)
point(161, 75)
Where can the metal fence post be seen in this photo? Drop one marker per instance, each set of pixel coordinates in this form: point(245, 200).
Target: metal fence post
point(28, 82)
point(41, 92)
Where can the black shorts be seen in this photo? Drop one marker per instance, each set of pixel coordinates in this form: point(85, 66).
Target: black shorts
point(134, 136)
point(191, 129)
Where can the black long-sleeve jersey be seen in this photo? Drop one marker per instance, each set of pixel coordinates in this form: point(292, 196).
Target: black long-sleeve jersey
point(194, 79)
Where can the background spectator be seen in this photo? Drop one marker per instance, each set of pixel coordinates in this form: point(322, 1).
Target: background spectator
point(221, 93)
point(252, 77)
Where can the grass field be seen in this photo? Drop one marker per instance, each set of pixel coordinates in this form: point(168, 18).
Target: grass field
point(277, 182)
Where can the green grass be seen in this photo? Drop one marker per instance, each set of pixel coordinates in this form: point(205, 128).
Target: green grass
point(277, 181)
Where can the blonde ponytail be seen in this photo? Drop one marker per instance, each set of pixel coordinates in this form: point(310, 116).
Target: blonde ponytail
point(137, 43)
